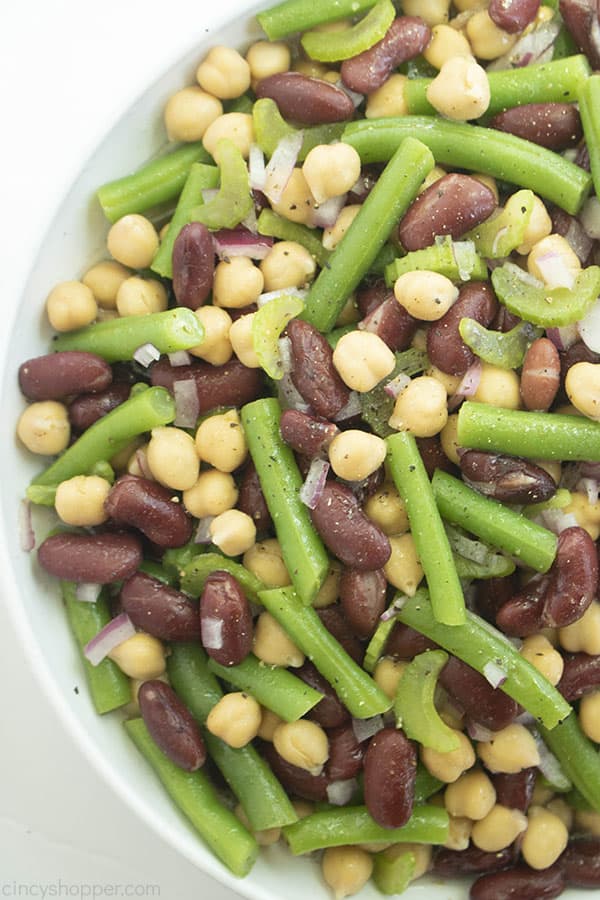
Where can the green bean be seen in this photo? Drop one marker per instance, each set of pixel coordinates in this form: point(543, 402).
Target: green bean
point(273, 686)
point(110, 434)
point(193, 793)
point(485, 150)
point(414, 704)
point(478, 643)
point(195, 573)
point(377, 643)
point(395, 189)
point(156, 182)
point(589, 104)
point(175, 559)
point(393, 870)
point(200, 177)
point(109, 687)
point(156, 570)
point(272, 225)
point(303, 552)
point(353, 825)
point(116, 340)
point(558, 81)
point(493, 522)
point(299, 15)
point(578, 757)
point(426, 784)
point(354, 687)
point(263, 799)
point(457, 260)
point(332, 46)
point(518, 433)
point(431, 541)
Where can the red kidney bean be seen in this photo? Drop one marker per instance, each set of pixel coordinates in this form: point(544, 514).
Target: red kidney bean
point(347, 532)
point(504, 320)
point(225, 619)
point(329, 712)
point(506, 478)
point(335, 622)
point(346, 754)
point(313, 372)
point(472, 861)
point(560, 597)
point(88, 408)
point(581, 862)
point(406, 37)
point(365, 184)
point(306, 434)
point(540, 375)
point(405, 643)
point(580, 674)
point(251, 499)
point(297, 782)
point(515, 790)
point(58, 375)
point(445, 347)
point(572, 230)
point(482, 703)
point(433, 456)
point(519, 883)
point(556, 126)
point(364, 489)
point(452, 205)
point(171, 725)
point(371, 294)
point(310, 101)
point(193, 265)
point(96, 558)
point(492, 594)
point(581, 19)
point(390, 767)
point(513, 15)
point(160, 610)
point(392, 323)
point(149, 507)
point(362, 597)
point(232, 384)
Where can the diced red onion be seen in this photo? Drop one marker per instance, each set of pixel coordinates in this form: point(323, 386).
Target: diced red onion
point(281, 165)
point(256, 168)
point(356, 98)
point(314, 483)
point(397, 385)
point(339, 793)
point(26, 533)
point(118, 630)
point(549, 766)
point(579, 241)
point(590, 218)
point(557, 521)
point(203, 535)
point(250, 223)
point(326, 213)
point(350, 410)
point(238, 242)
point(535, 46)
point(563, 337)
point(365, 728)
point(141, 459)
point(479, 732)
point(554, 271)
point(211, 631)
point(494, 673)
point(187, 406)
point(209, 194)
point(589, 328)
point(179, 358)
point(87, 591)
point(589, 486)
point(265, 298)
point(146, 354)
point(468, 385)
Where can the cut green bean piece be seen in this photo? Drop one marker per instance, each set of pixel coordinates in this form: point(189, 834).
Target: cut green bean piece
point(200, 178)
point(159, 181)
point(116, 340)
point(354, 687)
point(393, 870)
point(504, 349)
point(532, 300)
point(493, 522)
point(426, 784)
point(267, 325)
point(270, 127)
point(156, 570)
point(394, 191)
point(193, 793)
point(195, 573)
point(456, 144)
point(499, 235)
point(273, 686)
point(330, 46)
point(353, 825)
point(427, 528)
point(234, 200)
point(299, 15)
point(175, 559)
point(518, 433)
point(457, 260)
point(272, 225)
point(589, 104)
point(414, 705)
point(377, 406)
point(111, 433)
point(263, 799)
point(478, 643)
point(303, 552)
point(578, 757)
point(375, 646)
point(109, 687)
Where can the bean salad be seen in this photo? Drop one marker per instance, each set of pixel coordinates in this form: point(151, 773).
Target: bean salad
point(324, 429)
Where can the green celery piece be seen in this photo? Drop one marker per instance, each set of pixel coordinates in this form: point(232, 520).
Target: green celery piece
point(536, 303)
point(499, 235)
point(414, 706)
point(457, 260)
point(195, 573)
point(393, 870)
point(270, 127)
point(330, 46)
point(234, 200)
point(376, 405)
point(504, 349)
point(267, 325)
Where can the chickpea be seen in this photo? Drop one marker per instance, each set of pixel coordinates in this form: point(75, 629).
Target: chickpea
point(137, 463)
point(538, 227)
point(461, 90)
point(564, 262)
point(449, 439)
point(434, 175)
point(545, 839)
point(587, 820)
point(44, 427)
point(330, 589)
point(224, 73)
point(582, 385)
point(445, 43)
point(387, 510)
point(435, 12)
point(542, 794)
point(141, 296)
point(241, 336)
point(220, 441)
point(80, 500)
point(303, 808)
point(489, 182)
point(448, 767)
point(334, 234)
point(213, 493)
point(189, 112)
point(425, 295)
point(510, 750)
point(355, 454)
point(552, 467)
point(265, 837)
point(287, 264)
point(236, 127)
point(265, 560)
point(538, 650)
point(389, 99)
point(310, 67)
point(268, 723)
point(235, 719)
point(237, 283)
point(388, 673)
point(268, 58)
point(120, 461)
point(141, 656)
point(133, 241)
point(583, 636)
point(403, 569)
point(71, 305)
point(362, 359)
point(421, 408)
point(331, 170)
point(565, 813)
point(273, 646)
point(450, 383)
point(104, 280)
point(172, 458)
point(487, 40)
point(589, 217)
point(296, 202)
point(459, 833)
point(233, 532)
point(472, 795)
point(589, 715)
point(587, 514)
point(346, 870)
point(216, 347)
point(498, 829)
point(498, 387)
point(303, 744)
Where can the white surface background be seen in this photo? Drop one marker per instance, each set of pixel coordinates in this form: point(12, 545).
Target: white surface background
point(67, 70)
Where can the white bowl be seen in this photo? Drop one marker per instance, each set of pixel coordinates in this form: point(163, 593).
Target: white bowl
point(75, 239)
